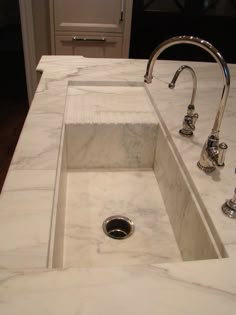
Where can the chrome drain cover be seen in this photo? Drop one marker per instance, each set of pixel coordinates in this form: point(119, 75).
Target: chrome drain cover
point(118, 227)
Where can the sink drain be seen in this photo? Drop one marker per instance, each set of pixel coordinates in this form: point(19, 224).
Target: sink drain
point(118, 227)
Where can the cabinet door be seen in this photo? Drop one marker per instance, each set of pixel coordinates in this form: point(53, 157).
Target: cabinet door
point(89, 46)
point(89, 15)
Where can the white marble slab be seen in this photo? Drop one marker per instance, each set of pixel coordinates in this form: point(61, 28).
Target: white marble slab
point(38, 145)
point(56, 244)
point(108, 102)
point(122, 145)
point(109, 125)
point(25, 224)
point(173, 289)
point(92, 197)
point(192, 233)
point(206, 287)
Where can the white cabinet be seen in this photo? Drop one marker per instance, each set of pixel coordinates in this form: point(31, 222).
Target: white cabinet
point(88, 15)
point(91, 28)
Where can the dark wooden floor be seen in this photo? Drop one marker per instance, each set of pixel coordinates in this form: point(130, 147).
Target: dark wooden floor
point(13, 106)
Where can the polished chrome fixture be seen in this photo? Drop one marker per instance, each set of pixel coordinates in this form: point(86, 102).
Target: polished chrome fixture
point(118, 227)
point(229, 207)
point(191, 117)
point(213, 153)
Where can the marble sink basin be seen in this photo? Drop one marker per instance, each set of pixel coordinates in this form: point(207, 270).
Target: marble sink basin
point(117, 160)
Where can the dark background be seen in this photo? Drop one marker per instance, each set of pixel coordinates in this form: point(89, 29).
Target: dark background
point(13, 92)
point(154, 21)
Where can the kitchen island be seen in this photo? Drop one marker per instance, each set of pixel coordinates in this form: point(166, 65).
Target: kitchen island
point(30, 283)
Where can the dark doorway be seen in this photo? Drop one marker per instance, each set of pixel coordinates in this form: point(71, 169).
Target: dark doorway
point(13, 91)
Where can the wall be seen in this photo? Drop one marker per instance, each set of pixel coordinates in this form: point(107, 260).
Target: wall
point(36, 38)
point(41, 28)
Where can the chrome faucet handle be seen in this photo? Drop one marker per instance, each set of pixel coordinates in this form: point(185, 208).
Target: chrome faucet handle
point(213, 154)
point(189, 122)
point(191, 117)
point(222, 152)
point(229, 207)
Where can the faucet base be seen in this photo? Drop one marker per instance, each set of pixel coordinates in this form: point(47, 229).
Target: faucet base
point(206, 169)
point(185, 133)
point(229, 209)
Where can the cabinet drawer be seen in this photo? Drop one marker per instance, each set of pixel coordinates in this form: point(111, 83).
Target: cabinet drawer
point(97, 46)
point(89, 15)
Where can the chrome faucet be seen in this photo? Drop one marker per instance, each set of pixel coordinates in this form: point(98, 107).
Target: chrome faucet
point(213, 152)
point(191, 117)
point(229, 207)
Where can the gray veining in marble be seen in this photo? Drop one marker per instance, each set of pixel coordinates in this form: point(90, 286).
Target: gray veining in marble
point(200, 287)
point(94, 196)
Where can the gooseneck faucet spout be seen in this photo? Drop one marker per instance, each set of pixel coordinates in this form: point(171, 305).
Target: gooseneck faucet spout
point(213, 153)
point(191, 117)
point(194, 77)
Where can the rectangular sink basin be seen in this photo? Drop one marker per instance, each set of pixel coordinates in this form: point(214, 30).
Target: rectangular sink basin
point(116, 160)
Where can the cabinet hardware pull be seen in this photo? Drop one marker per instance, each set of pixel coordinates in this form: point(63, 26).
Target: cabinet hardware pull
point(86, 39)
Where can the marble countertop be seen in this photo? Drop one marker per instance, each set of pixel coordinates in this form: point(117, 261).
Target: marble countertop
point(27, 286)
